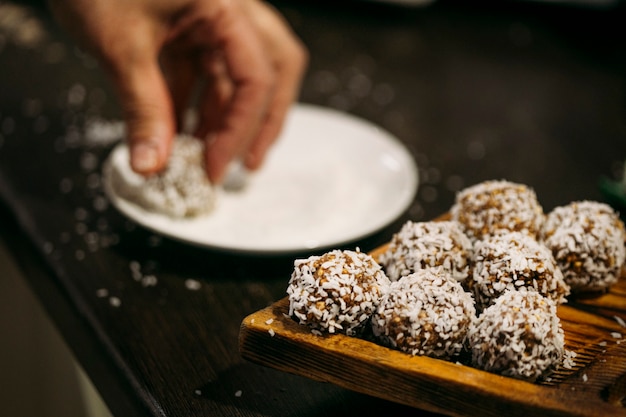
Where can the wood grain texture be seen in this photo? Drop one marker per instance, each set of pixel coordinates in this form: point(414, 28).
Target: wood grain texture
point(595, 386)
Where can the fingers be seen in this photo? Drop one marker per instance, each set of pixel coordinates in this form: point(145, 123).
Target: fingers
point(252, 61)
point(215, 96)
point(289, 60)
point(252, 67)
point(242, 86)
point(253, 82)
point(181, 75)
point(148, 113)
point(127, 37)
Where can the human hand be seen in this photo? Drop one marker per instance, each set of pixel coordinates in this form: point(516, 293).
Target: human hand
point(247, 60)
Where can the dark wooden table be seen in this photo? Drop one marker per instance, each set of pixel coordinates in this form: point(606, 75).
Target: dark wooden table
point(528, 92)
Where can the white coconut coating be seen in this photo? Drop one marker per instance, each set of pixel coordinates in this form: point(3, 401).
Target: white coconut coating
point(587, 241)
point(520, 336)
point(419, 245)
point(336, 292)
point(511, 261)
point(181, 190)
point(425, 313)
point(486, 207)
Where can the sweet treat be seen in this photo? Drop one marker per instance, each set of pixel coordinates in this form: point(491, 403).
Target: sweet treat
point(336, 292)
point(512, 261)
point(489, 206)
point(424, 313)
point(587, 241)
point(419, 245)
point(520, 336)
point(181, 190)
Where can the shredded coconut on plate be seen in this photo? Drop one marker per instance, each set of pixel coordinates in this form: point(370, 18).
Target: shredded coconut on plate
point(181, 190)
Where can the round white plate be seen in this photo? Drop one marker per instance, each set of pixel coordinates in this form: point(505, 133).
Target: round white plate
point(330, 179)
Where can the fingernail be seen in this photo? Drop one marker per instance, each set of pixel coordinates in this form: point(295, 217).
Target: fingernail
point(236, 176)
point(144, 157)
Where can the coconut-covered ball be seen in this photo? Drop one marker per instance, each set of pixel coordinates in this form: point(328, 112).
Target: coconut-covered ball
point(419, 245)
point(511, 261)
point(181, 190)
point(520, 336)
point(587, 240)
point(425, 313)
point(336, 292)
point(493, 205)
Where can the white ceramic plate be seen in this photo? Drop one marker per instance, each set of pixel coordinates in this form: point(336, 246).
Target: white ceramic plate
point(330, 179)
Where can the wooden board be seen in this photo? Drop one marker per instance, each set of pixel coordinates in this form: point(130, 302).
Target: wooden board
point(595, 386)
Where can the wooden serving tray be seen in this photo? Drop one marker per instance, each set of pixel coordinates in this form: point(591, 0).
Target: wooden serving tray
point(595, 386)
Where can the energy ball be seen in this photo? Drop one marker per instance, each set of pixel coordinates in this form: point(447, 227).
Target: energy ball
point(425, 313)
point(489, 206)
point(520, 336)
point(336, 292)
point(512, 261)
point(587, 241)
point(419, 245)
point(181, 190)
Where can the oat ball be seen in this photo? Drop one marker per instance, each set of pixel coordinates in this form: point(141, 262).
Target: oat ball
point(494, 205)
point(425, 313)
point(587, 241)
point(336, 292)
point(520, 336)
point(511, 261)
point(181, 190)
point(419, 245)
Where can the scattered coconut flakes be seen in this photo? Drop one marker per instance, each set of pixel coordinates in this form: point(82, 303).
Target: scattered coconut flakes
point(620, 321)
point(66, 185)
point(585, 378)
point(192, 284)
point(115, 302)
point(149, 281)
point(271, 332)
point(102, 292)
point(20, 26)
point(198, 392)
point(48, 247)
point(568, 359)
point(101, 132)
point(603, 343)
point(269, 321)
point(616, 335)
point(238, 393)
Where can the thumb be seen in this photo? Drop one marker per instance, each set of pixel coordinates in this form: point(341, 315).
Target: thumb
point(148, 113)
